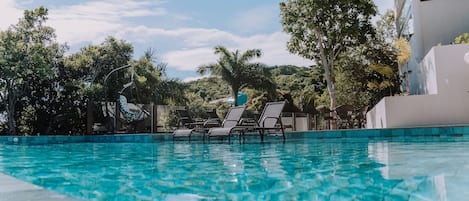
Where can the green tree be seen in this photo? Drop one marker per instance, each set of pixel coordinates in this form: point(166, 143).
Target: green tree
point(323, 29)
point(99, 60)
point(58, 104)
point(28, 55)
point(386, 54)
point(369, 72)
point(235, 69)
point(146, 73)
point(352, 77)
point(209, 88)
point(92, 63)
point(151, 84)
point(462, 39)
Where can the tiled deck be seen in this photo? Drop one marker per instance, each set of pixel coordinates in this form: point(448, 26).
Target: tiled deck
point(12, 189)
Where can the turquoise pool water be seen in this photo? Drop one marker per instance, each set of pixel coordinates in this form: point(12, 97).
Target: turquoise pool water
point(302, 169)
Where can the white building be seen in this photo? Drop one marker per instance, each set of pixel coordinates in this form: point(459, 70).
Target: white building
point(438, 75)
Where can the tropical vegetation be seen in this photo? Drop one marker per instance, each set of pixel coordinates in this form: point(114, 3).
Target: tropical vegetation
point(323, 30)
point(236, 69)
point(45, 91)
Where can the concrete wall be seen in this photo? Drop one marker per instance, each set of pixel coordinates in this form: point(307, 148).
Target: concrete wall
point(452, 72)
point(298, 122)
point(423, 77)
point(437, 21)
point(443, 79)
point(419, 110)
point(442, 71)
point(434, 22)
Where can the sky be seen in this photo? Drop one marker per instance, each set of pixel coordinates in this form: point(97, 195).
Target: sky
point(183, 32)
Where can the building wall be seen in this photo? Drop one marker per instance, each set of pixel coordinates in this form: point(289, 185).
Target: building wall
point(434, 22)
point(443, 79)
point(419, 110)
point(437, 21)
point(442, 71)
point(452, 72)
point(424, 76)
point(439, 77)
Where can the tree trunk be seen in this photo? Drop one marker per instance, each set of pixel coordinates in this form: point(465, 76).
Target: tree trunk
point(331, 89)
point(235, 95)
point(11, 110)
point(332, 106)
point(328, 65)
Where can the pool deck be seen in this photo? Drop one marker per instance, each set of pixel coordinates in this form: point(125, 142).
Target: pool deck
point(12, 189)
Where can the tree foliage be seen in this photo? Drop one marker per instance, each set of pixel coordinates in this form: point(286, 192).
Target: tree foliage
point(94, 62)
point(29, 55)
point(236, 70)
point(369, 72)
point(304, 84)
point(44, 92)
point(151, 84)
point(323, 29)
point(462, 39)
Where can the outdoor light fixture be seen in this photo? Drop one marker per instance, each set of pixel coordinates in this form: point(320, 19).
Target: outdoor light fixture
point(466, 57)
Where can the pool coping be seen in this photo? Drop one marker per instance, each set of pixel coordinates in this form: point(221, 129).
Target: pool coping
point(12, 189)
point(436, 131)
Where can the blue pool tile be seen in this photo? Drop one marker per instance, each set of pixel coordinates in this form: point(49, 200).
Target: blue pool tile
point(354, 134)
point(459, 130)
point(385, 133)
point(333, 134)
point(374, 133)
point(445, 130)
point(435, 131)
point(466, 130)
point(417, 132)
point(398, 133)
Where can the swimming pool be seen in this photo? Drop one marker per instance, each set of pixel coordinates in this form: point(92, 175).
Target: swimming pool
point(302, 169)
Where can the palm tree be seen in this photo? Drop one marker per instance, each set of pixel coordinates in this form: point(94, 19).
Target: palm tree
point(235, 69)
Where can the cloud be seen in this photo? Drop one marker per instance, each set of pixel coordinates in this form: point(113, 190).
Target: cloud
point(384, 5)
point(190, 79)
point(93, 21)
point(190, 59)
point(256, 19)
point(10, 13)
point(87, 22)
point(190, 37)
point(183, 49)
point(273, 46)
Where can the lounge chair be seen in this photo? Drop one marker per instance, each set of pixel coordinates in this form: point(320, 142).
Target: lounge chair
point(231, 119)
point(213, 118)
point(128, 113)
point(185, 120)
point(325, 114)
point(270, 119)
point(361, 117)
point(344, 116)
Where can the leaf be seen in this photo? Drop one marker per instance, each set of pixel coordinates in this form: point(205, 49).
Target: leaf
point(372, 85)
point(404, 51)
point(383, 70)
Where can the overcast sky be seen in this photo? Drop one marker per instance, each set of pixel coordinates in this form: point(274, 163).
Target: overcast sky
point(183, 32)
